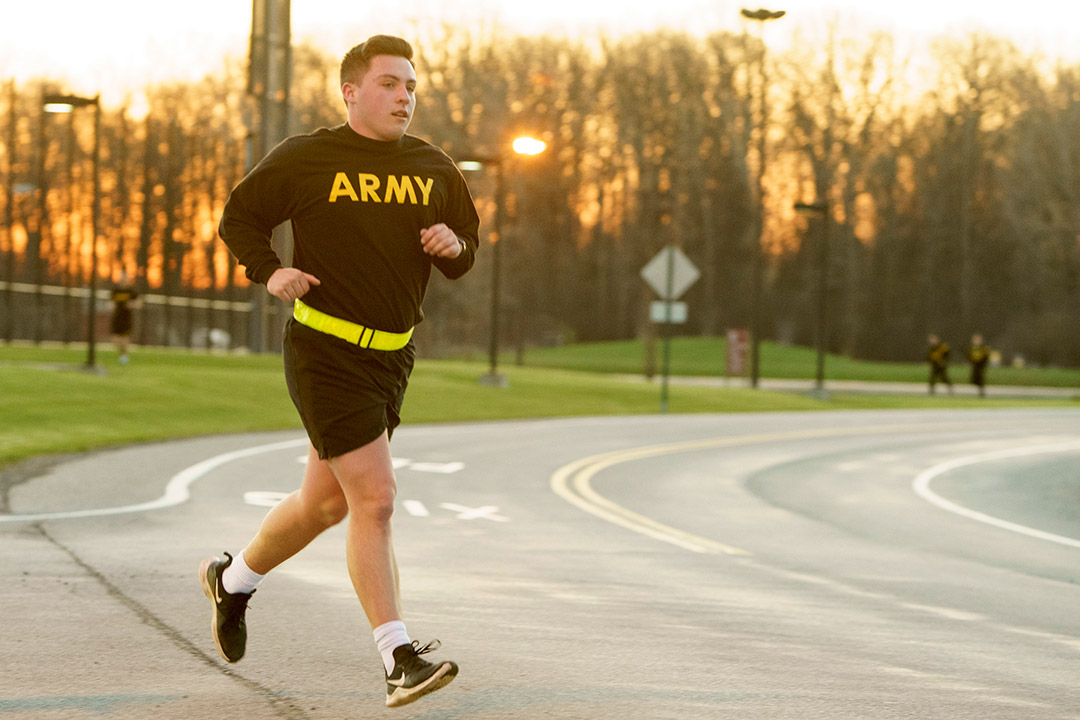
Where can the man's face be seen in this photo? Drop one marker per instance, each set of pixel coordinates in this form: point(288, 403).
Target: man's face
point(381, 106)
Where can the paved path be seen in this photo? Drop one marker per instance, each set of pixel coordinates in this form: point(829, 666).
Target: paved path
point(860, 386)
point(840, 565)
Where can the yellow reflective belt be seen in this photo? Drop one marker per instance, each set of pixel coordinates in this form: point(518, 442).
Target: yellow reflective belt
point(351, 332)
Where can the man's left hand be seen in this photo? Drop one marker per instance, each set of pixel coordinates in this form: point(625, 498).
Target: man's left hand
point(440, 241)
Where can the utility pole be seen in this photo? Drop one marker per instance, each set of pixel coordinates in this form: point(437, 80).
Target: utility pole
point(269, 74)
point(761, 16)
point(9, 216)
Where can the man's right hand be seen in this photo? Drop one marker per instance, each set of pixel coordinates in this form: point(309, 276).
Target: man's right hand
point(287, 284)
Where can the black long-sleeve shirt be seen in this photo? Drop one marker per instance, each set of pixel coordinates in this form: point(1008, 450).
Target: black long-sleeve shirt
point(357, 207)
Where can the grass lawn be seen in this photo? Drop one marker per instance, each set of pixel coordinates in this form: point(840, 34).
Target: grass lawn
point(50, 405)
point(705, 357)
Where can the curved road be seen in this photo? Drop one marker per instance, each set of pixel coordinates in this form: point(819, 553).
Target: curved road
point(830, 565)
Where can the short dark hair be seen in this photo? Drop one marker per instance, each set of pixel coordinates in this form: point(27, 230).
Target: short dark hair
point(356, 62)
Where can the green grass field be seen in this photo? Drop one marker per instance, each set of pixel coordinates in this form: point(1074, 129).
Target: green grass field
point(705, 357)
point(49, 405)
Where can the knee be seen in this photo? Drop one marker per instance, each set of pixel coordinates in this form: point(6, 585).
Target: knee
point(333, 511)
point(326, 511)
point(375, 505)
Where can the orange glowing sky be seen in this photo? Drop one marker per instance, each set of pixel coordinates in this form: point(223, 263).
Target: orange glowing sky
point(119, 46)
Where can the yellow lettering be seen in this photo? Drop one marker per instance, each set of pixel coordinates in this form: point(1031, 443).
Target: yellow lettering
point(369, 186)
point(398, 188)
point(425, 187)
point(342, 186)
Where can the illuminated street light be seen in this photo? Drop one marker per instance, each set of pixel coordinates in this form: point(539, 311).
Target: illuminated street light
point(529, 146)
point(522, 146)
point(820, 209)
point(67, 104)
point(761, 16)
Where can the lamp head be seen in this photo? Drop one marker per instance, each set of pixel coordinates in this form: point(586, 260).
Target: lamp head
point(762, 14)
point(66, 103)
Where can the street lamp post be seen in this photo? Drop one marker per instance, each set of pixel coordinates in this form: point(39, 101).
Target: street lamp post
point(66, 104)
point(761, 16)
point(9, 216)
point(820, 209)
point(522, 146)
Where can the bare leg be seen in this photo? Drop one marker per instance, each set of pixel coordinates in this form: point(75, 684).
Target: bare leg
point(121, 344)
point(366, 475)
point(299, 518)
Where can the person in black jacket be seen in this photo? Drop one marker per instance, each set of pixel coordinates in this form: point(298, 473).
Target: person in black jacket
point(123, 295)
point(938, 357)
point(979, 357)
point(373, 209)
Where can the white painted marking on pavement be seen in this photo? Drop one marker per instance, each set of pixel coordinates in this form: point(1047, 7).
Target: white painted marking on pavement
point(921, 485)
point(487, 512)
point(441, 468)
point(264, 498)
point(400, 463)
point(951, 613)
point(176, 492)
point(415, 508)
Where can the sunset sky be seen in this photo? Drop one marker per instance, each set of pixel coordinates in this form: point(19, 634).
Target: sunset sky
point(137, 42)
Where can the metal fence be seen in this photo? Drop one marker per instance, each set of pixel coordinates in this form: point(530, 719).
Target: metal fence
point(55, 313)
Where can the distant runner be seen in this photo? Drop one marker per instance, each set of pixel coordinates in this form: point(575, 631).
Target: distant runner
point(120, 323)
point(979, 357)
point(938, 357)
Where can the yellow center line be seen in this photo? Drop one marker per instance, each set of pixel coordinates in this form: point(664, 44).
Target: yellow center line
point(572, 482)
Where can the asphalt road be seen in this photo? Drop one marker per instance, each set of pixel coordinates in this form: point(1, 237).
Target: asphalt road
point(913, 564)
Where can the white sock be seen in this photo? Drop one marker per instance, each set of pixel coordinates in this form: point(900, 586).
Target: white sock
point(387, 637)
point(238, 577)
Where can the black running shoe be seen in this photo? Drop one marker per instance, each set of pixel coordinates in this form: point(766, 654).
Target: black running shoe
point(227, 623)
point(414, 677)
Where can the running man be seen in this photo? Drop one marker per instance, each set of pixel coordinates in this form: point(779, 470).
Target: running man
point(938, 357)
point(372, 210)
point(123, 294)
point(979, 357)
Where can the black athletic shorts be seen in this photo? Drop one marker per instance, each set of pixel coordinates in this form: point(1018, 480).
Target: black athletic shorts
point(346, 395)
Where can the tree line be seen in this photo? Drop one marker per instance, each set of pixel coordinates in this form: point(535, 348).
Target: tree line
point(952, 196)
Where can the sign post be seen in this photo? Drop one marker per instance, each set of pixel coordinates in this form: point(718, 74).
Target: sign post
point(738, 339)
point(670, 273)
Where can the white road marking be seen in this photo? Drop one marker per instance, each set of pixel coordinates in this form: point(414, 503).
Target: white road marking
point(440, 468)
point(269, 498)
point(446, 468)
point(264, 498)
point(951, 613)
point(921, 485)
point(176, 492)
point(487, 512)
point(415, 508)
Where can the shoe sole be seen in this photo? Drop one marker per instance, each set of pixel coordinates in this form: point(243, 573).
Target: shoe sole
point(439, 679)
point(204, 567)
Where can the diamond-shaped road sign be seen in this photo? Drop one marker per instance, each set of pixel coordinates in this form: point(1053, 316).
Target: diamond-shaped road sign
point(670, 264)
